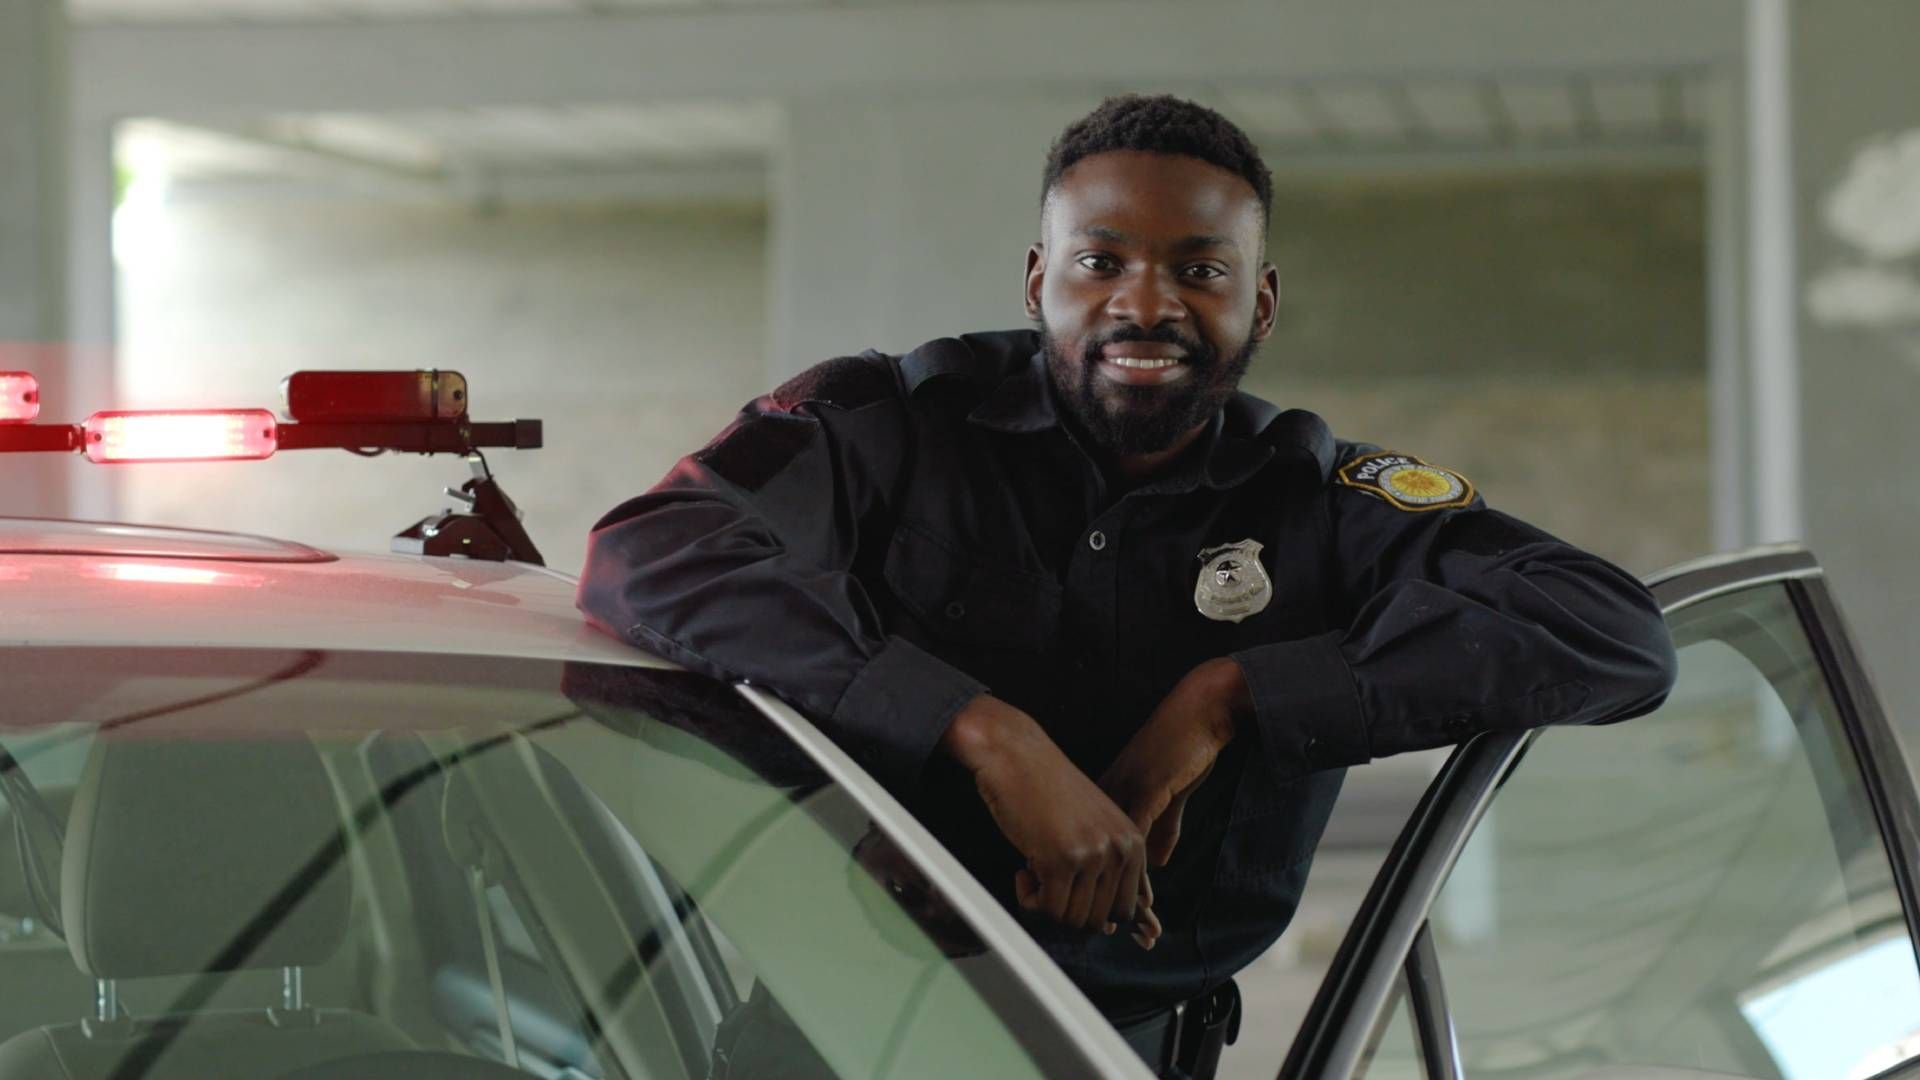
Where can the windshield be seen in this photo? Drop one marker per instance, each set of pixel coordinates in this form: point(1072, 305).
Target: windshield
point(266, 861)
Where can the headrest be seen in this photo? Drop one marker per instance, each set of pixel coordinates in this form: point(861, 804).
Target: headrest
point(186, 855)
point(16, 897)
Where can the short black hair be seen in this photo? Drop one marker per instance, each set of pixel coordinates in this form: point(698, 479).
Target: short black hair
point(1160, 124)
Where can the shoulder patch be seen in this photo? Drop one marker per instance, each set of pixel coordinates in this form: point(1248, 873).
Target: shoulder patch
point(844, 383)
point(1405, 482)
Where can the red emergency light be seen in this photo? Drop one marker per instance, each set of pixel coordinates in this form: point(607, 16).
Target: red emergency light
point(119, 437)
point(19, 397)
point(380, 396)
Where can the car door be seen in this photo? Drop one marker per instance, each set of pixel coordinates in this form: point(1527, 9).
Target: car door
point(1724, 887)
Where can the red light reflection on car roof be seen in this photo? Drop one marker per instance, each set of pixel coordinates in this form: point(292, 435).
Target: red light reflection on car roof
point(169, 574)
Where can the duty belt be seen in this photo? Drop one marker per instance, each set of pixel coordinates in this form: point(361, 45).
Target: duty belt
point(1184, 1042)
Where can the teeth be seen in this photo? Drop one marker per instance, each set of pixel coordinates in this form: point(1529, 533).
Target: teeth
point(1144, 363)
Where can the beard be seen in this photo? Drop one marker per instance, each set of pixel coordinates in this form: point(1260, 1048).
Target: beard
point(1143, 419)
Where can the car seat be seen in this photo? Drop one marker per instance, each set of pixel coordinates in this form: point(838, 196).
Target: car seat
point(201, 857)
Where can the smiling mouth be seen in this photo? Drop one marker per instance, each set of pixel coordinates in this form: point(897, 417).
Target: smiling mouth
point(1144, 372)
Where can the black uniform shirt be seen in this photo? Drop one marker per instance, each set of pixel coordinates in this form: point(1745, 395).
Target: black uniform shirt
point(880, 540)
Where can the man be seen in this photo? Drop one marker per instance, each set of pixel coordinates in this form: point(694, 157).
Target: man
point(1112, 628)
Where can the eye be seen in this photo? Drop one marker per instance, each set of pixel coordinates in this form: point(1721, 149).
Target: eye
point(1204, 272)
point(1099, 263)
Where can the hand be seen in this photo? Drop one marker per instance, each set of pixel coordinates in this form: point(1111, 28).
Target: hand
point(1146, 927)
point(1174, 751)
point(1086, 862)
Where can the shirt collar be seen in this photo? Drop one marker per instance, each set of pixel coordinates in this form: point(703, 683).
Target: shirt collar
point(1241, 439)
point(1022, 403)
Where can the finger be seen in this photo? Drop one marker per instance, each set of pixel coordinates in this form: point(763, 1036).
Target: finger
point(1121, 903)
point(1146, 887)
point(1146, 933)
point(1165, 833)
point(1102, 908)
point(1080, 912)
point(1147, 924)
point(1026, 889)
point(1109, 928)
point(1056, 889)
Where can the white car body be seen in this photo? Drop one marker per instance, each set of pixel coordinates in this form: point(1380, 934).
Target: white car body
point(95, 584)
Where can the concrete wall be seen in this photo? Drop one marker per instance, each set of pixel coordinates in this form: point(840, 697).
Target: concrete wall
point(1542, 333)
point(633, 334)
point(896, 221)
point(1855, 92)
point(33, 209)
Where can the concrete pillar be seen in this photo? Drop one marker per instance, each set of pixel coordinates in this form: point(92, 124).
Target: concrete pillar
point(1856, 156)
point(884, 214)
point(1730, 390)
point(92, 300)
point(33, 111)
point(1772, 343)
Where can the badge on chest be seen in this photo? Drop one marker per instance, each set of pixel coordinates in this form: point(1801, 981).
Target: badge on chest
point(1232, 585)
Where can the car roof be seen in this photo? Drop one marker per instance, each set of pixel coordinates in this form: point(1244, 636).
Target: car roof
point(99, 583)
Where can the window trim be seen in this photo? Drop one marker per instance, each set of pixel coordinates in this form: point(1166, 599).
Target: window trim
point(1432, 1021)
point(1884, 771)
point(1063, 1032)
point(1360, 983)
point(1380, 944)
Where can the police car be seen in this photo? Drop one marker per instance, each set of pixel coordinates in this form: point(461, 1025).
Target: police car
point(276, 811)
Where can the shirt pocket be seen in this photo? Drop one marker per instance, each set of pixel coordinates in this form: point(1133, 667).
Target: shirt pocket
point(958, 596)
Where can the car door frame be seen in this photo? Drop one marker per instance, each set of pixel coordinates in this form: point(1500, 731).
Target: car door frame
point(1385, 940)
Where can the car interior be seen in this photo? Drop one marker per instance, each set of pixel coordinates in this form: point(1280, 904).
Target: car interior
point(392, 871)
point(1704, 891)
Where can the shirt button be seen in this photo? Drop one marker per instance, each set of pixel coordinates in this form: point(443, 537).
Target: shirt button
point(1097, 540)
point(956, 610)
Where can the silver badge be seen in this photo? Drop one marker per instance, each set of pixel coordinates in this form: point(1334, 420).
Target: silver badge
point(1233, 584)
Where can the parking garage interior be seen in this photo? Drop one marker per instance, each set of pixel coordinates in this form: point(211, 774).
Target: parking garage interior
point(1644, 271)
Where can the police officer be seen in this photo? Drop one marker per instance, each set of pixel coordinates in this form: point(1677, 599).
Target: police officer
point(1110, 627)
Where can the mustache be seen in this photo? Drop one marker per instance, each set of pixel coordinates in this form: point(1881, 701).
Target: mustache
point(1199, 353)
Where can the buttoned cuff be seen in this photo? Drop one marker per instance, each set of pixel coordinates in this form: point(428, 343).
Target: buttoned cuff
point(895, 711)
point(1305, 705)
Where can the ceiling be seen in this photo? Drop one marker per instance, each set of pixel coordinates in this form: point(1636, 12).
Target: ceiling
point(468, 146)
point(103, 11)
point(466, 149)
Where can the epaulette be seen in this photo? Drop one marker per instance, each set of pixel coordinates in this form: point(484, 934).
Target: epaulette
point(1299, 432)
point(1402, 481)
point(847, 382)
point(980, 359)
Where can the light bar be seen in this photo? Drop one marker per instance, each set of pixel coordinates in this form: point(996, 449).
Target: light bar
point(185, 435)
point(19, 397)
point(321, 397)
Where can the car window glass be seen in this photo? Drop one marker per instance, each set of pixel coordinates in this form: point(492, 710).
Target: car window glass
point(666, 880)
point(1703, 888)
point(507, 922)
point(1395, 1050)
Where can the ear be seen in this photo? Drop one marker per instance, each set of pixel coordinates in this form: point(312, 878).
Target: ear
point(1266, 302)
point(1036, 276)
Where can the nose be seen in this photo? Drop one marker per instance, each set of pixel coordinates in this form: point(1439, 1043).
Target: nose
point(1146, 298)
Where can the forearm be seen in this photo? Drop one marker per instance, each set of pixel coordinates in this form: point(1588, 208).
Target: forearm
point(1550, 636)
